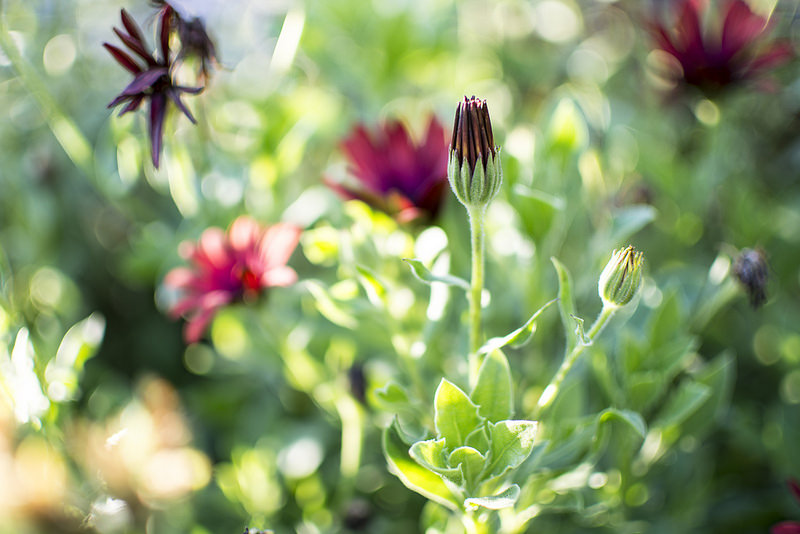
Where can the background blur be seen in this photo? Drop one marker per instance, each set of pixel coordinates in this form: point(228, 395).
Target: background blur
point(111, 423)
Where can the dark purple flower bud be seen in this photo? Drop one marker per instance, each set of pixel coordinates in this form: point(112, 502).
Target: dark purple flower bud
point(752, 271)
point(474, 168)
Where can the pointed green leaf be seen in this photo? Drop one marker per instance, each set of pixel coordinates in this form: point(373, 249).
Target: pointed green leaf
point(511, 442)
point(424, 275)
point(580, 333)
point(566, 303)
point(456, 416)
point(470, 461)
point(518, 337)
point(375, 288)
point(411, 474)
point(629, 417)
point(492, 391)
point(328, 307)
point(391, 393)
point(504, 499)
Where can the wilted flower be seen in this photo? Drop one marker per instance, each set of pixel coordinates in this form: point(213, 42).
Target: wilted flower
point(194, 40)
point(152, 81)
point(401, 178)
point(621, 277)
point(731, 51)
point(474, 168)
point(789, 527)
point(232, 266)
point(752, 271)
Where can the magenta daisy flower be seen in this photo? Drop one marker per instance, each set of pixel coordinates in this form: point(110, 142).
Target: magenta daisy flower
point(734, 48)
point(228, 267)
point(395, 175)
point(153, 80)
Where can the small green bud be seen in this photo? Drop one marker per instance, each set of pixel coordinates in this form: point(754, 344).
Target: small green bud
point(621, 277)
point(474, 169)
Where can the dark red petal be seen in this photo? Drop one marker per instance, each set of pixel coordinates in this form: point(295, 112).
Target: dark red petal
point(740, 28)
point(119, 100)
point(165, 26)
point(779, 53)
point(131, 26)
point(175, 96)
point(794, 487)
point(123, 59)
point(158, 109)
point(132, 105)
point(143, 81)
point(690, 36)
point(135, 45)
point(190, 90)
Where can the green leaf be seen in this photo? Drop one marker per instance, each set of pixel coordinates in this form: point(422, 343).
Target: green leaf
point(492, 391)
point(391, 393)
point(518, 337)
point(456, 416)
point(536, 209)
point(682, 403)
point(566, 303)
point(424, 275)
point(432, 455)
point(471, 463)
point(511, 442)
point(629, 417)
point(719, 376)
point(580, 333)
point(504, 499)
point(413, 475)
point(478, 439)
point(78, 345)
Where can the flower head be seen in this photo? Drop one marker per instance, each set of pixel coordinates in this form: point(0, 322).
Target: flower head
point(730, 52)
point(752, 271)
point(153, 80)
point(474, 168)
point(404, 179)
point(228, 267)
point(621, 277)
point(193, 38)
point(789, 527)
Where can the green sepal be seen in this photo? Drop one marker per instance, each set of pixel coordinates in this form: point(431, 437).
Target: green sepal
point(414, 476)
point(492, 392)
point(455, 415)
point(505, 499)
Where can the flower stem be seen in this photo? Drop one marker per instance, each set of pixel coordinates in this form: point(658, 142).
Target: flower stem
point(476, 215)
point(551, 391)
point(474, 524)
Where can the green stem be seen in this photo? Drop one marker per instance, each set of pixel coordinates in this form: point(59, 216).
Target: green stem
point(476, 289)
point(551, 391)
point(474, 524)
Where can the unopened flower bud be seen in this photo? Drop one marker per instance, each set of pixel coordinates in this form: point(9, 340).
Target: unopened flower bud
point(474, 169)
point(752, 271)
point(621, 277)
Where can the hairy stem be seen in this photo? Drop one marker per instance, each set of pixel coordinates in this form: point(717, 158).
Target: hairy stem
point(476, 215)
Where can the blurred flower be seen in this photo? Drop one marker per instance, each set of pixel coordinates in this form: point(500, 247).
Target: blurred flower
point(752, 271)
point(474, 167)
point(713, 60)
point(621, 277)
point(153, 81)
point(396, 176)
point(230, 267)
point(194, 40)
point(789, 527)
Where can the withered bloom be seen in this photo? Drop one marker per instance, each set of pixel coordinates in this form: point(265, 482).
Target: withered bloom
point(404, 179)
point(193, 38)
point(752, 271)
point(474, 168)
point(736, 51)
point(152, 81)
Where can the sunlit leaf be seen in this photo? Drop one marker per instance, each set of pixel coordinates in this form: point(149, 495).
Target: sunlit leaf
point(493, 390)
point(504, 499)
point(511, 442)
point(456, 416)
point(424, 275)
point(566, 303)
point(518, 337)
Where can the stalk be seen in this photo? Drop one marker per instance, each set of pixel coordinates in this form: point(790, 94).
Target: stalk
point(476, 216)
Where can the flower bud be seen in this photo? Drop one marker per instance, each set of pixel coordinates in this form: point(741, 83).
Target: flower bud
point(621, 277)
point(752, 271)
point(474, 169)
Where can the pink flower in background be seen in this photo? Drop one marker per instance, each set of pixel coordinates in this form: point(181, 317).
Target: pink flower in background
point(732, 50)
point(403, 179)
point(789, 527)
point(228, 267)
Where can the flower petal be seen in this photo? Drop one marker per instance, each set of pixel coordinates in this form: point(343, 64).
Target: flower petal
point(123, 58)
point(740, 28)
point(279, 242)
point(158, 109)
